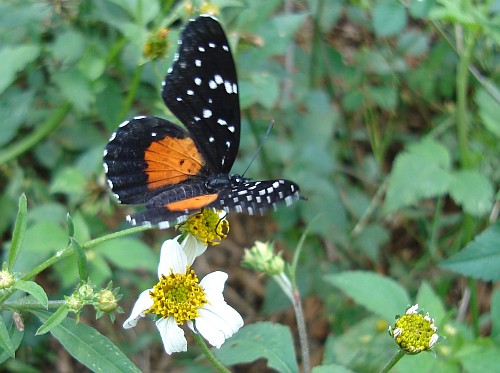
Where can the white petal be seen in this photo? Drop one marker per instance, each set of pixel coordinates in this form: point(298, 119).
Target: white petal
point(172, 257)
point(216, 324)
point(213, 285)
point(171, 335)
point(143, 303)
point(193, 248)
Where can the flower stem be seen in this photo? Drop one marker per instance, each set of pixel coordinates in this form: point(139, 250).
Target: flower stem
point(301, 327)
point(209, 354)
point(69, 250)
point(29, 305)
point(393, 361)
point(292, 292)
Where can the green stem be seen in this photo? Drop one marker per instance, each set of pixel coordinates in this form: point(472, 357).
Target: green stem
point(208, 353)
point(69, 250)
point(27, 142)
point(301, 328)
point(29, 305)
point(393, 361)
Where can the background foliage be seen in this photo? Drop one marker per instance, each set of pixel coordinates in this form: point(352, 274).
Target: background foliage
point(386, 115)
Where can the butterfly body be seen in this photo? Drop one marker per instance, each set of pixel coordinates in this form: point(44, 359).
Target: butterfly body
point(175, 171)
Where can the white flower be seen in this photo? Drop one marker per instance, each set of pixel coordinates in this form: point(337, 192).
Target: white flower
point(179, 298)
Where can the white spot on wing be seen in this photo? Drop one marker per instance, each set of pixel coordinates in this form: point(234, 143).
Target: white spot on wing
point(197, 63)
point(218, 79)
point(207, 113)
point(197, 81)
point(231, 128)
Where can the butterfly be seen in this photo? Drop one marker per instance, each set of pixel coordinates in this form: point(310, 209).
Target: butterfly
point(174, 171)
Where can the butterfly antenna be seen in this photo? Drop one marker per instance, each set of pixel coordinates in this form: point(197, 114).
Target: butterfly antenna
point(269, 128)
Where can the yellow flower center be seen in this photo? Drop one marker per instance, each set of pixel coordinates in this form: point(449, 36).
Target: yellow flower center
point(178, 295)
point(415, 333)
point(207, 226)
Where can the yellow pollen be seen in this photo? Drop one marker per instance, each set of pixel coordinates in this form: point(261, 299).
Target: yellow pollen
point(413, 333)
point(207, 226)
point(178, 295)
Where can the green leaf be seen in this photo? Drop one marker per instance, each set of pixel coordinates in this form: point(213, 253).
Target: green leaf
point(42, 239)
point(71, 182)
point(488, 111)
point(389, 18)
point(473, 191)
point(381, 295)
point(74, 88)
point(15, 59)
point(34, 290)
point(52, 321)
point(5, 341)
point(385, 96)
point(480, 259)
point(261, 340)
point(15, 337)
point(421, 8)
point(413, 43)
point(68, 47)
point(421, 172)
point(128, 253)
point(430, 302)
point(479, 356)
point(89, 347)
point(19, 231)
point(81, 259)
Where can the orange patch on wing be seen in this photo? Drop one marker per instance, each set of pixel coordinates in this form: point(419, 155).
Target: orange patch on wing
point(192, 203)
point(171, 160)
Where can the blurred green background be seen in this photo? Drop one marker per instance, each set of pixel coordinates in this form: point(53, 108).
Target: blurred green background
point(386, 114)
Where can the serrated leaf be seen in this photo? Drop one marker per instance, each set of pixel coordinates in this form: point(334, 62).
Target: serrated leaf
point(53, 320)
point(421, 172)
point(389, 18)
point(19, 231)
point(380, 295)
point(89, 346)
point(35, 290)
point(473, 191)
point(5, 341)
point(15, 59)
point(480, 259)
point(261, 340)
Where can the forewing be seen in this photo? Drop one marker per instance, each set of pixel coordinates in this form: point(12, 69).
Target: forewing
point(148, 155)
point(201, 89)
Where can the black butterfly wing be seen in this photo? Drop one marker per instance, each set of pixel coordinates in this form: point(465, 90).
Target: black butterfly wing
point(256, 197)
point(201, 89)
point(147, 158)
